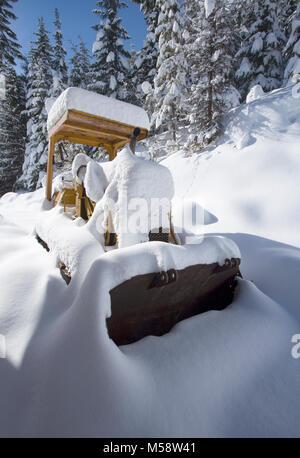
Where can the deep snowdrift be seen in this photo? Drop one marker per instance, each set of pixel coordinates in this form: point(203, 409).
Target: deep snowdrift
point(227, 373)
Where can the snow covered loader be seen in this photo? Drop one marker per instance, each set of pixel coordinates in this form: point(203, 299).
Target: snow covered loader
point(153, 278)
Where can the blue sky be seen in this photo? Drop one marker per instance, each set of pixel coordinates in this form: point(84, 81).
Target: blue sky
point(77, 19)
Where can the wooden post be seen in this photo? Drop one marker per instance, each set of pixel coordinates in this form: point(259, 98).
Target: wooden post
point(112, 150)
point(50, 168)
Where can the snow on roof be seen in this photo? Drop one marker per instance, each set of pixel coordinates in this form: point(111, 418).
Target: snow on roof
point(98, 105)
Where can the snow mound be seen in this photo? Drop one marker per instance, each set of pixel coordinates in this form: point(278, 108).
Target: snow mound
point(274, 115)
point(84, 386)
point(255, 93)
point(140, 188)
point(98, 105)
point(146, 87)
point(62, 181)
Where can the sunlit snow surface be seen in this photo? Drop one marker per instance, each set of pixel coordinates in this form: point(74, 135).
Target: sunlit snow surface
point(226, 373)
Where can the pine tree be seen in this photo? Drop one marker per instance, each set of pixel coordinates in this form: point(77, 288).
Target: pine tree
point(240, 10)
point(80, 66)
point(60, 80)
point(286, 8)
point(261, 54)
point(12, 130)
point(292, 49)
point(9, 46)
point(170, 81)
point(108, 70)
point(146, 58)
point(132, 93)
point(192, 9)
point(12, 122)
point(39, 86)
point(208, 49)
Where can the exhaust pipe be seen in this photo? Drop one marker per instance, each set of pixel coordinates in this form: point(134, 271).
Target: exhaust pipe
point(133, 140)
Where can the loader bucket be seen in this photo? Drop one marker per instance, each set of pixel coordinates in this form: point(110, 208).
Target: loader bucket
point(152, 304)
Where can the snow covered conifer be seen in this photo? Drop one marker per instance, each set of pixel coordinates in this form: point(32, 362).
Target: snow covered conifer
point(170, 81)
point(60, 80)
point(261, 54)
point(292, 49)
point(286, 9)
point(80, 66)
point(192, 10)
point(131, 92)
point(9, 46)
point(39, 87)
point(146, 58)
point(208, 49)
point(108, 69)
point(12, 130)
point(11, 102)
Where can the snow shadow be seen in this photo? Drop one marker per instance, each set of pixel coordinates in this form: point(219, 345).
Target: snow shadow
point(9, 383)
point(190, 218)
point(273, 266)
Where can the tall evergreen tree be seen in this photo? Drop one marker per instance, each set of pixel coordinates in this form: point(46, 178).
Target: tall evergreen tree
point(9, 46)
point(170, 81)
point(191, 9)
point(12, 130)
point(146, 58)
point(11, 102)
point(292, 49)
point(261, 54)
point(80, 66)
point(208, 49)
point(109, 70)
point(130, 87)
point(60, 80)
point(286, 8)
point(40, 82)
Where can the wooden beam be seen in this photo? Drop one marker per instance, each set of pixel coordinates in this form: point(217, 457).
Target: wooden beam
point(83, 132)
point(101, 131)
point(52, 142)
point(88, 120)
point(55, 128)
point(89, 126)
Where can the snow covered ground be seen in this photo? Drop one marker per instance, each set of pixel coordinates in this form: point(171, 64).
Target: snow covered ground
point(221, 374)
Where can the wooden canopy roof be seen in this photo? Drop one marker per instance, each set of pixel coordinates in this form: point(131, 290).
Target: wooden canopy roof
point(87, 129)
